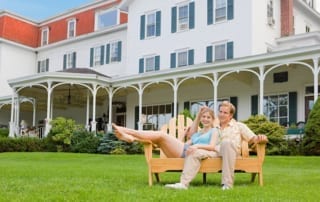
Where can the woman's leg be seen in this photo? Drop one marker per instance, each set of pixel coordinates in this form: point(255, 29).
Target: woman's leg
point(171, 146)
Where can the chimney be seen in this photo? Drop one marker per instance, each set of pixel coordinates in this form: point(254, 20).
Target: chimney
point(286, 18)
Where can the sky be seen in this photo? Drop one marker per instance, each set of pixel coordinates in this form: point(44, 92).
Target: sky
point(38, 10)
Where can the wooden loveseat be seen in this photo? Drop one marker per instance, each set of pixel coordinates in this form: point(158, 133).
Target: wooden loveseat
point(160, 164)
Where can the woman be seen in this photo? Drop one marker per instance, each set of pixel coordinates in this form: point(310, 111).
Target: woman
point(201, 144)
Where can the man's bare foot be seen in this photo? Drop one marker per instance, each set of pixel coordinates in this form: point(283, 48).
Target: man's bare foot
point(121, 135)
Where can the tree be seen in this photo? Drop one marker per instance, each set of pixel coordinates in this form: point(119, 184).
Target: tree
point(311, 139)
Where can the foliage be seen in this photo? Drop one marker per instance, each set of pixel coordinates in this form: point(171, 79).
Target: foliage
point(62, 130)
point(83, 141)
point(109, 144)
point(4, 132)
point(22, 144)
point(311, 139)
point(275, 133)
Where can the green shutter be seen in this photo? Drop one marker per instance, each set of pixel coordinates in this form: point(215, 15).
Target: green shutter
point(91, 56)
point(102, 55)
point(254, 104)
point(191, 57)
point(157, 63)
point(173, 19)
point(234, 101)
point(209, 54)
point(292, 108)
point(141, 65)
point(209, 12)
point(230, 9)
point(158, 23)
point(191, 15)
point(39, 66)
point(186, 105)
point(65, 61)
point(230, 50)
point(74, 59)
point(142, 26)
point(119, 51)
point(47, 65)
point(108, 54)
point(172, 60)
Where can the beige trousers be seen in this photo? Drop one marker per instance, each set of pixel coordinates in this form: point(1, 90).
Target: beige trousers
point(192, 164)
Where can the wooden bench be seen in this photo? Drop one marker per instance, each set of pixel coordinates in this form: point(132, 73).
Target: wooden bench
point(160, 164)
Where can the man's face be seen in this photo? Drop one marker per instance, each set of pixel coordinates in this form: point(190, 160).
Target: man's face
point(224, 114)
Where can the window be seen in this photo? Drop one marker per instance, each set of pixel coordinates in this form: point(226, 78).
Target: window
point(149, 64)
point(270, 12)
point(221, 10)
point(220, 51)
point(307, 29)
point(71, 28)
point(154, 116)
point(45, 36)
point(43, 65)
point(151, 25)
point(182, 58)
point(183, 17)
point(114, 52)
point(97, 56)
point(69, 60)
point(275, 107)
point(106, 19)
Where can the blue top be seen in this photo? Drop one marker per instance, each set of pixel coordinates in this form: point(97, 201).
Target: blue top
point(199, 138)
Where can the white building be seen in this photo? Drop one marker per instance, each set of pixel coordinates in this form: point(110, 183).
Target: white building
point(142, 62)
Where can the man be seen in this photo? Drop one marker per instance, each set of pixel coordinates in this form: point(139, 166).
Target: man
point(228, 146)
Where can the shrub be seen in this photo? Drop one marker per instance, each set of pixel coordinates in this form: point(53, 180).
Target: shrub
point(83, 141)
point(311, 139)
point(275, 133)
point(4, 132)
point(22, 144)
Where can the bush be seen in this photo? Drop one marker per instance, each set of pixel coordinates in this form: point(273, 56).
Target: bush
point(83, 141)
point(4, 132)
point(259, 124)
point(109, 144)
point(311, 139)
point(22, 144)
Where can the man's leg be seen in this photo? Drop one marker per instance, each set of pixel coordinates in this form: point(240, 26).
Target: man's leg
point(228, 153)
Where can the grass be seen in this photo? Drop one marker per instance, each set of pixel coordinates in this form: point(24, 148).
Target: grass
point(87, 177)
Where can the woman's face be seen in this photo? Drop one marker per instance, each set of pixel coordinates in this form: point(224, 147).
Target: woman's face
point(206, 119)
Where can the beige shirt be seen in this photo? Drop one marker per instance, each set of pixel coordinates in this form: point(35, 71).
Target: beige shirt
point(235, 132)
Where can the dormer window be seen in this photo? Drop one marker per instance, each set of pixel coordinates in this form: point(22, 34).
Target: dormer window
point(71, 28)
point(106, 18)
point(45, 36)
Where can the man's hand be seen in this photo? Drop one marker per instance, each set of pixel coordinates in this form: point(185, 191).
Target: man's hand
point(260, 139)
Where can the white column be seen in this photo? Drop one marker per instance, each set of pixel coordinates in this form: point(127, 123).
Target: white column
point(140, 123)
point(175, 97)
point(261, 90)
point(34, 112)
point(88, 111)
point(11, 124)
point(215, 92)
point(315, 78)
point(110, 109)
point(47, 122)
point(94, 98)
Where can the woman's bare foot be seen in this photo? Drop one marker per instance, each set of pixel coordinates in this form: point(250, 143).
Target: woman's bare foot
point(122, 135)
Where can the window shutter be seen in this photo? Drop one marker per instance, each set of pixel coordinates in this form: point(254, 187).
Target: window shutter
point(186, 105)
point(108, 54)
point(292, 107)
point(158, 23)
point(209, 12)
point(191, 15)
point(230, 50)
point(234, 101)
point(209, 54)
point(173, 60)
point(65, 61)
point(119, 51)
point(102, 55)
point(74, 59)
point(47, 65)
point(136, 117)
point(142, 26)
point(141, 65)
point(91, 57)
point(39, 66)
point(157, 63)
point(254, 104)
point(173, 19)
point(191, 57)
point(230, 9)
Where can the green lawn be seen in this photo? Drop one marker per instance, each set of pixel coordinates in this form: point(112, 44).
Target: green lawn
point(86, 177)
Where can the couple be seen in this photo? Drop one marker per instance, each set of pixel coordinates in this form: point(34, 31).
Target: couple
point(223, 140)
